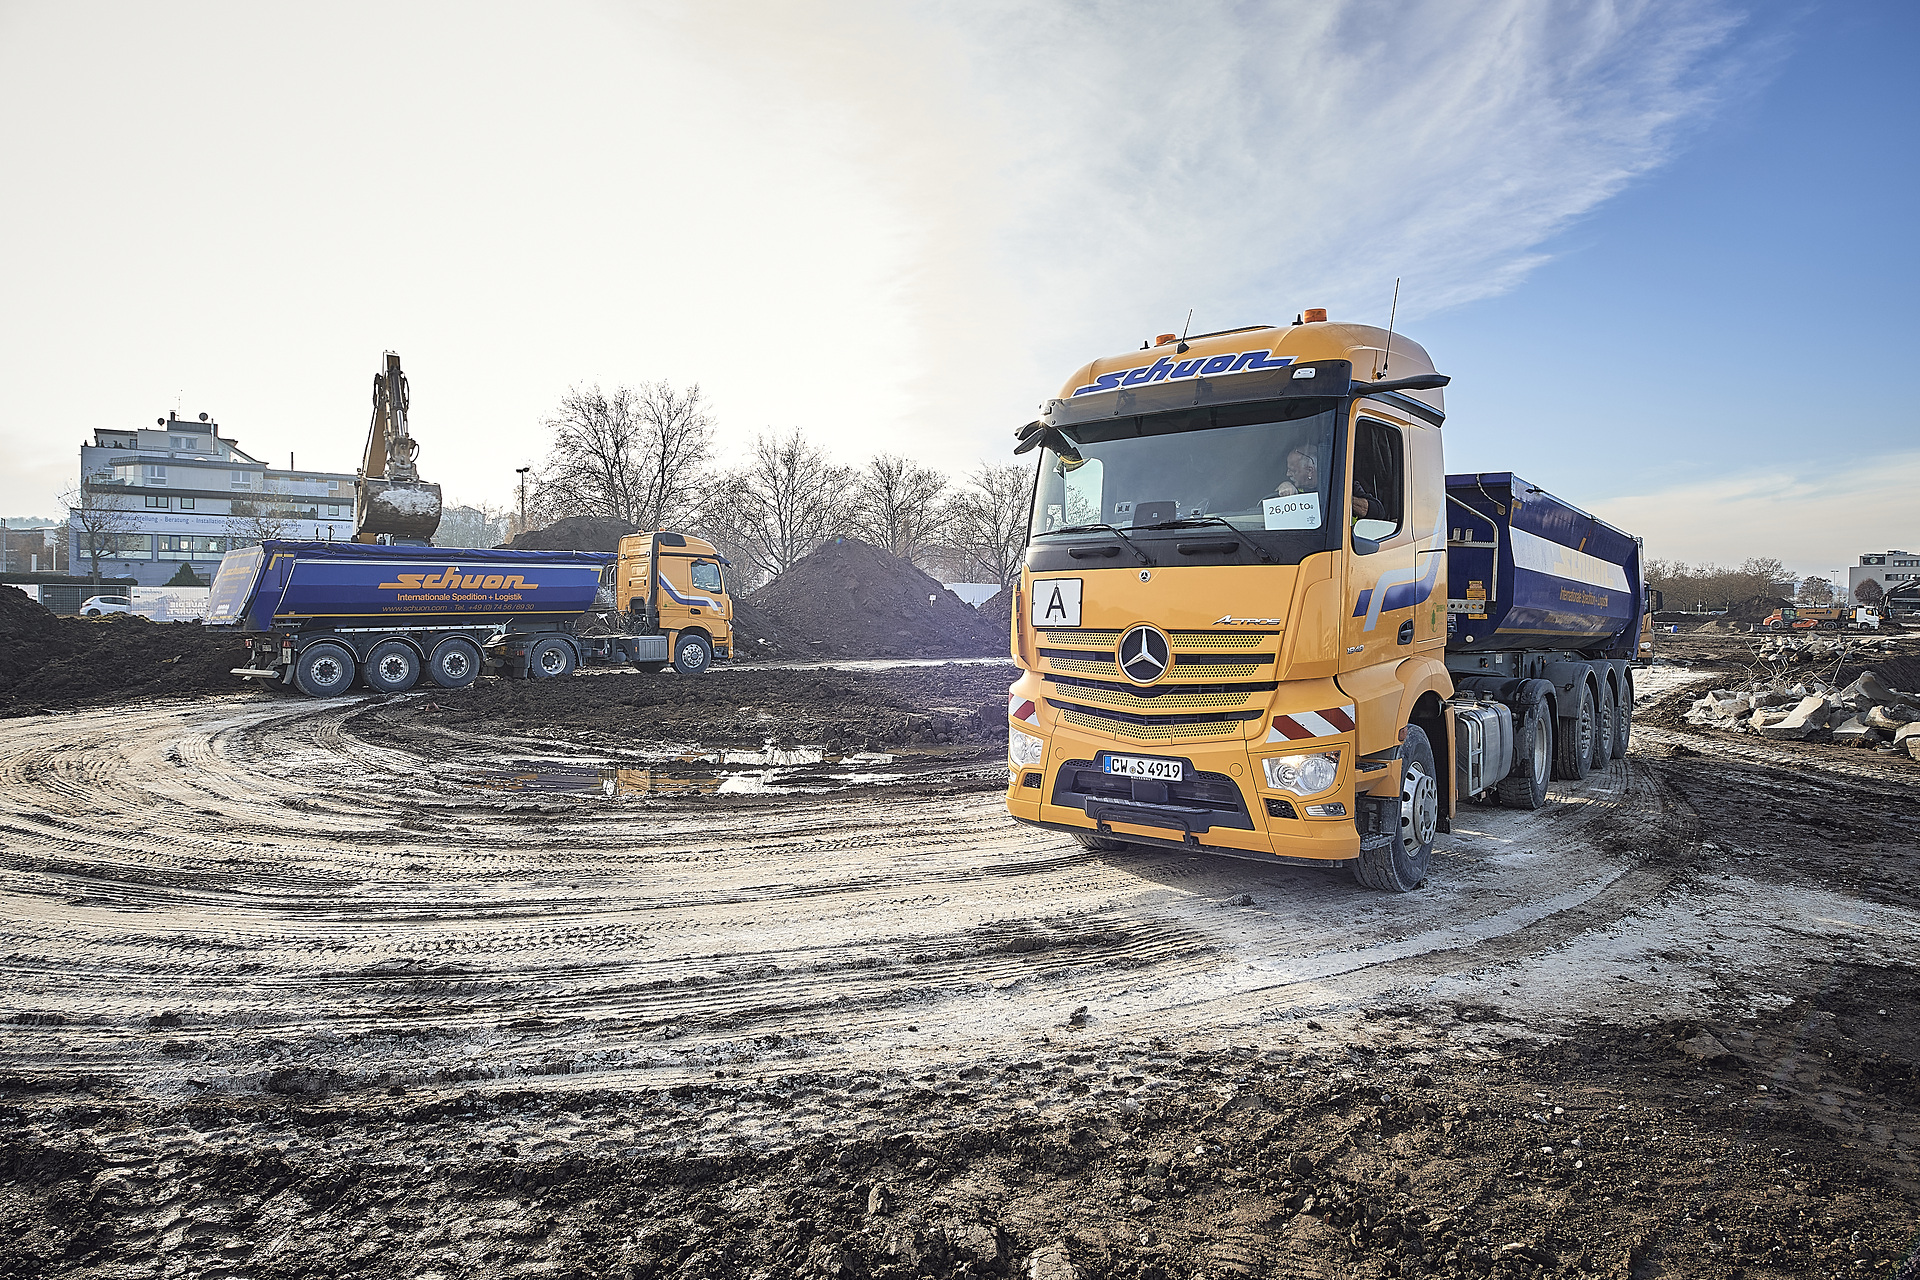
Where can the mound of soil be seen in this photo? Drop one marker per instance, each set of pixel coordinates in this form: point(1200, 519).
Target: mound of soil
point(49, 663)
point(575, 533)
point(839, 710)
point(760, 634)
point(851, 599)
point(997, 609)
point(1756, 609)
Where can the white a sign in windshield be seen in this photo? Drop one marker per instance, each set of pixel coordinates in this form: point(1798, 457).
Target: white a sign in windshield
point(1056, 602)
point(1295, 511)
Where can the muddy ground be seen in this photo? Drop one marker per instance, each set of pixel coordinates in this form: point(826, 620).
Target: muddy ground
point(300, 989)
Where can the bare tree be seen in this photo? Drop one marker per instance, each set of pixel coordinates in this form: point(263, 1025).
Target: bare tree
point(896, 505)
point(637, 454)
point(103, 520)
point(477, 526)
point(788, 499)
point(987, 521)
point(1869, 593)
point(1816, 591)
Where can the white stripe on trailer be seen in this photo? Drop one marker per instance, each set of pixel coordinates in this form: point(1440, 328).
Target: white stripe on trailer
point(1541, 555)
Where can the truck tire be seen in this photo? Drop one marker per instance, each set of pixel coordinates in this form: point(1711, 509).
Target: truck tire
point(1606, 711)
point(1623, 721)
point(1525, 787)
point(550, 659)
point(392, 667)
point(1573, 739)
point(692, 654)
point(1400, 865)
point(455, 663)
point(324, 670)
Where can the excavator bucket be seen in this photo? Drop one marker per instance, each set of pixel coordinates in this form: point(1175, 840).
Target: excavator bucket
point(401, 509)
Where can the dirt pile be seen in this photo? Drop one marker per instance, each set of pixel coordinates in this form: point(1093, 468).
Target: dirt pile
point(840, 710)
point(48, 663)
point(851, 599)
point(998, 611)
point(1756, 609)
point(575, 533)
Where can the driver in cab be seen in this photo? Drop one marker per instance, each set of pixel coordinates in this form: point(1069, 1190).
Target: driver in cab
point(1303, 476)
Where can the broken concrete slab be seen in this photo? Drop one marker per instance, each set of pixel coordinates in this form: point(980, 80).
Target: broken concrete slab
point(1798, 722)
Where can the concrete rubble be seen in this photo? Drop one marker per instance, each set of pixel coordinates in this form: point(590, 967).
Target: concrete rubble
point(1868, 712)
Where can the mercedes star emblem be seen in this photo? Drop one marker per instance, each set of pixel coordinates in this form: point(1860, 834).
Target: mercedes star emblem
point(1144, 654)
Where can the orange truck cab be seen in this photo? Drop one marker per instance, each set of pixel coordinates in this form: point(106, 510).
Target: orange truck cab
point(1234, 618)
point(675, 585)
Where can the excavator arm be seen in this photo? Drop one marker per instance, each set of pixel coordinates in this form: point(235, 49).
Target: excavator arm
point(392, 502)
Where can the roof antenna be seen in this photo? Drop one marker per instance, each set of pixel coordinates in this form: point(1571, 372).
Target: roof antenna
point(1392, 315)
point(1182, 348)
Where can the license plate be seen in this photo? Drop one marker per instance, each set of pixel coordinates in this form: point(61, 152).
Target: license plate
point(1146, 767)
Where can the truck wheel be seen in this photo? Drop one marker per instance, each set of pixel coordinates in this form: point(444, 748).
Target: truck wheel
point(692, 655)
point(1525, 786)
point(1573, 740)
point(1623, 721)
point(1607, 710)
point(455, 664)
point(550, 660)
point(324, 670)
point(1400, 865)
point(392, 667)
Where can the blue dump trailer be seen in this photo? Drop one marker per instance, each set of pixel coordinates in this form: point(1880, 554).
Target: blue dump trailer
point(321, 615)
point(1544, 608)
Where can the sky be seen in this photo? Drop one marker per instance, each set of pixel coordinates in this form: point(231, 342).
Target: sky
point(1664, 249)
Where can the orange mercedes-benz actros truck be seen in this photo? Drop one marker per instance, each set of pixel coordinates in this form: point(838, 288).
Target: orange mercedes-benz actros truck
point(1257, 617)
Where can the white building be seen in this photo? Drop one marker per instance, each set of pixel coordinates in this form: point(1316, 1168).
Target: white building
point(187, 494)
point(1889, 568)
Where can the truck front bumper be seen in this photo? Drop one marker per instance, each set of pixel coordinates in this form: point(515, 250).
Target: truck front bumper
point(1221, 804)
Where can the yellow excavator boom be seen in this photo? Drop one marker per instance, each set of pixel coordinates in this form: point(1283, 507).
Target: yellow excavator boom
point(392, 502)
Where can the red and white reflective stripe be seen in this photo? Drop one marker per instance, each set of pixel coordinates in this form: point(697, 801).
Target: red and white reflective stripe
point(1312, 724)
point(1020, 708)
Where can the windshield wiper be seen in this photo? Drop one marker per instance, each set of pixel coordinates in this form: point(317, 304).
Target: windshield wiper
point(1119, 533)
point(1186, 521)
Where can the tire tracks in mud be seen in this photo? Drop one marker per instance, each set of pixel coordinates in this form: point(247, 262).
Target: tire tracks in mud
point(201, 891)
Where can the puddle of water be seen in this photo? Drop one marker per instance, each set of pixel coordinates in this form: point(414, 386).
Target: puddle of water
point(773, 770)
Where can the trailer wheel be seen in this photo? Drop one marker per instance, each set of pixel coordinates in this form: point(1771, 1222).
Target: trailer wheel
point(692, 655)
point(1400, 865)
point(1623, 721)
point(392, 667)
point(455, 663)
point(1525, 786)
point(1609, 711)
point(1573, 740)
point(550, 660)
point(324, 670)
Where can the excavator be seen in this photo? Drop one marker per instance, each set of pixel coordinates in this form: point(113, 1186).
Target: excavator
point(391, 502)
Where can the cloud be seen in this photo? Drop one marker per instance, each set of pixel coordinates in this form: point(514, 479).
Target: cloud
point(1078, 176)
point(1816, 520)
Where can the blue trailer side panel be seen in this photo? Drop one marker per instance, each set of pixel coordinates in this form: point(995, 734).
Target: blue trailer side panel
point(1528, 571)
point(297, 584)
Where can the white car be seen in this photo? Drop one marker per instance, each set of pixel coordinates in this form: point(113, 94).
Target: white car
point(100, 606)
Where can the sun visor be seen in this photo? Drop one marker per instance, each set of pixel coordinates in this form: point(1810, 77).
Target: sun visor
point(1321, 379)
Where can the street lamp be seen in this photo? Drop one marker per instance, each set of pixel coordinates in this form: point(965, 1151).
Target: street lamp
point(523, 496)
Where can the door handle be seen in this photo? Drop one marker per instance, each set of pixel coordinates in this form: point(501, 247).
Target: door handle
point(1406, 632)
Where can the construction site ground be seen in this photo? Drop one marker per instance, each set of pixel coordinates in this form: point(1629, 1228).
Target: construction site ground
point(751, 976)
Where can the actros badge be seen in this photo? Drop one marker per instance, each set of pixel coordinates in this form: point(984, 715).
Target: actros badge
point(1144, 654)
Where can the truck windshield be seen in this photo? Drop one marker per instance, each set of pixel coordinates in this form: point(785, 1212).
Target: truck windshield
point(1205, 467)
point(231, 584)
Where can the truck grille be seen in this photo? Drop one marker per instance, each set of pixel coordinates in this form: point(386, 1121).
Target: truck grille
point(1123, 724)
point(1209, 671)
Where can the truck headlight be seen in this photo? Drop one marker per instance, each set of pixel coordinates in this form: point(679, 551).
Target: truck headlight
point(1302, 775)
point(1024, 749)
